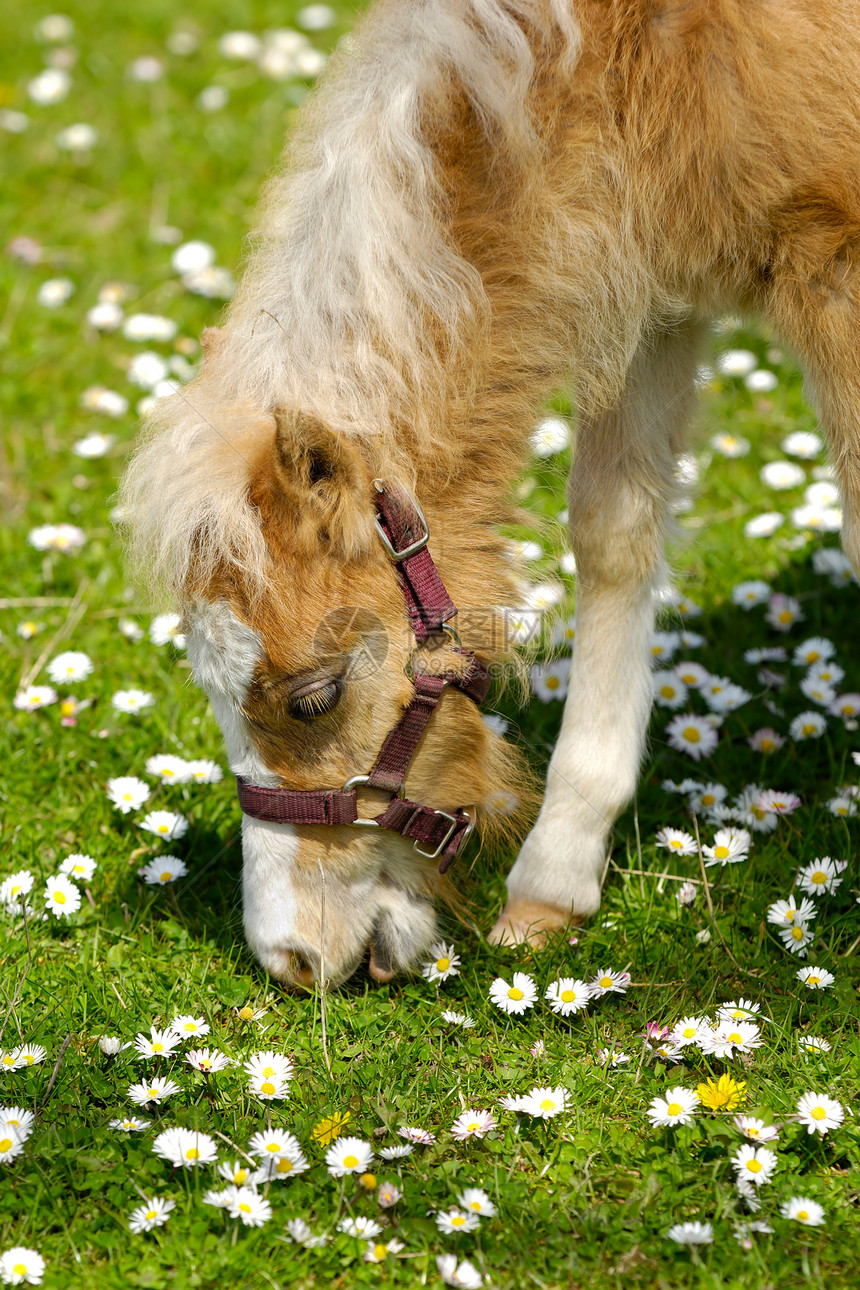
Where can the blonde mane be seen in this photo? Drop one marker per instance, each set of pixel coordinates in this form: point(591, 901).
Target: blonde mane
point(355, 303)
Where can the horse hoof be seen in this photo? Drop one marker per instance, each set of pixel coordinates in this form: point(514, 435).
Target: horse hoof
point(529, 922)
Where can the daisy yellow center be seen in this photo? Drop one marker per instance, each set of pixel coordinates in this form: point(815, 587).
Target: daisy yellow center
point(192, 1154)
point(60, 897)
point(688, 1032)
point(786, 616)
point(797, 933)
point(735, 1038)
point(692, 735)
point(552, 682)
point(162, 828)
point(15, 1123)
point(5, 1144)
point(16, 889)
point(165, 876)
point(568, 996)
point(819, 1113)
point(368, 1181)
point(443, 964)
point(246, 1013)
point(273, 1146)
point(848, 709)
point(605, 982)
point(78, 868)
point(475, 1205)
point(819, 876)
point(515, 993)
point(267, 1087)
point(349, 1162)
point(813, 980)
point(158, 1048)
point(754, 1166)
point(789, 913)
point(245, 1207)
point(205, 1064)
point(457, 1220)
point(674, 1108)
point(813, 656)
point(151, 1213)
point(28, 1058)
point(547, 1104)
point(20, 1269)
point(721, 852)
point(8, 1061)
point(284, 1166)
point(153, 1092)
point(667, 691)
point(473, 1127)
point(708, 799)
point(190, 1027)
point(803, 1214)
point(126, 797)
point(165, 772)
point(809, 728)
point(767, 745)
point(239, 1176)
point(752, 1132)
point(675, 842)
point(268, 1071)
point(380, 1251)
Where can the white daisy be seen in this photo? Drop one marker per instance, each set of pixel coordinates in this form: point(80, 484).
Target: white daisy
point(131, 1124)
point(516, 997)
point(68, 668)
point(820, 1114)
point(797, 937)
point(608, 981)
point(249, 1207)
point(165, 824)
point(691, 1233)
point(444, 962)
point(162, 870)
point(669, 690)
point(815, 978)
point(821, 876)
point(677, 1107)
point(62, 896)
point(168, 768)
point(550, 680)
point(155, 1090)
point(132, 700)
point(378, 1251)
point(360, 1226)
point(34, 697)
point(269, 1074)
point(161, 1043)
point(80, 868)
point(544, 1103)
point(154, 1212)
point(457, 1019)
point(185, 1026)
point(454, 1221)
point(477, 1200)
point(398, 1152)
point(813, 1046)
point(19, 1264)
point(731, 846)
point(692, 734)
point(803, 1210)
point(754, 1164)
point(209, 1061)
point(127, 793)
point(756, 1130)
point(568, 995)
point(472, 1124)
point(185, 1148)
point(202, 771)
point(463, 1274)
point(348, 1156)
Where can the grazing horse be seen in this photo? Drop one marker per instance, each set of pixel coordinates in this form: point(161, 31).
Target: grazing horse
point(483, 201)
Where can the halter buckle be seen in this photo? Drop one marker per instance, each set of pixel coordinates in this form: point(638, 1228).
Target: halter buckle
point(414, 547)
point(432, 855)
point(355, 781)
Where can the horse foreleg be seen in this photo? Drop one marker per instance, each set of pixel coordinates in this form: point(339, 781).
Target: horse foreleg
point(620, 489)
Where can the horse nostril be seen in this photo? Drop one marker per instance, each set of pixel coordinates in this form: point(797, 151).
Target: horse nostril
point(299, 968)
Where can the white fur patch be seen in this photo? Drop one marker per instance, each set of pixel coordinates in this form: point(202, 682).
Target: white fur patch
point(224, 653)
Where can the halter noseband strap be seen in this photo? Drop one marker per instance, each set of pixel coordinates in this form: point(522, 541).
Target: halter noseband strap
point(436, 834)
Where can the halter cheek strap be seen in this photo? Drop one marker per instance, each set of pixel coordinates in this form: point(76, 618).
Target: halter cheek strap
point(436, 834)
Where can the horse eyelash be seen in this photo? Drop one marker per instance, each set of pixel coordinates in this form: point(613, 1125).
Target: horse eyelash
point(316, 702)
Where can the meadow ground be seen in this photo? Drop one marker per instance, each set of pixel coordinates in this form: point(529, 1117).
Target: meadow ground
point(182, 141)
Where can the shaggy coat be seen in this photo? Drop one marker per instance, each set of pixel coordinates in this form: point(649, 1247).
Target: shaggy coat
point(487, 200)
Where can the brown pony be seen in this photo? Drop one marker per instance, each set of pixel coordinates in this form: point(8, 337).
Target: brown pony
point(485, 200)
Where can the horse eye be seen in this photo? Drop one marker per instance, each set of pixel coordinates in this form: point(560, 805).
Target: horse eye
point(315, 700)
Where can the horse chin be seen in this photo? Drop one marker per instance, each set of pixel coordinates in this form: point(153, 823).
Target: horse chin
point(303, 925)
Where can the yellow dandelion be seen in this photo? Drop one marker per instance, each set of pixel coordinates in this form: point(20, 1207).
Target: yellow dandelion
point(331, 1127)
point(724, 1094)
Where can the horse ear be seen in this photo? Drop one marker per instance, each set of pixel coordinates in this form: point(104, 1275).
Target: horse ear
point(323, 475)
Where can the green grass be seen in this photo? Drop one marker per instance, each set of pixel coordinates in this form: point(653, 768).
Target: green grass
point(583, 1199)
